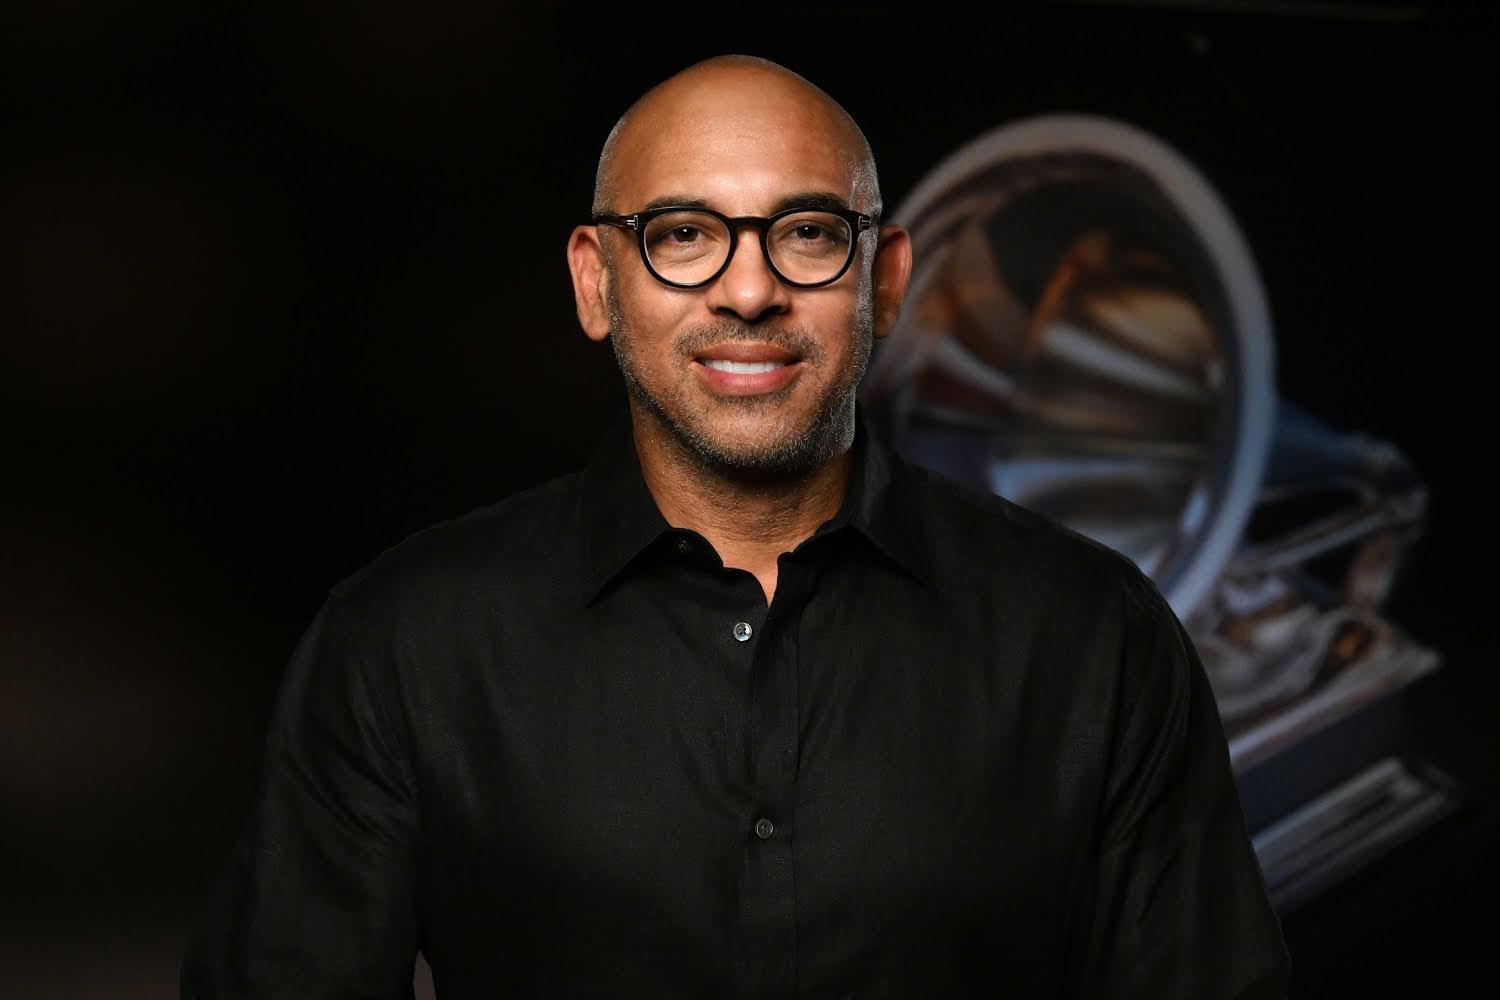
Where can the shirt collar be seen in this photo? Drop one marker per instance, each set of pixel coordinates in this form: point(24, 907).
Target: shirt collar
point(620, 519)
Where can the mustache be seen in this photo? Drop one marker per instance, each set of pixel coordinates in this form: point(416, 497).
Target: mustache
point(795, 340)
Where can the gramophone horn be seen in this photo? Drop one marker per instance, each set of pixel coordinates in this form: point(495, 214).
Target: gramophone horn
point(1086, 334)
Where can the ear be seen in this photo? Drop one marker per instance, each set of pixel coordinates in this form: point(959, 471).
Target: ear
point(590, 281)
point(892, 271)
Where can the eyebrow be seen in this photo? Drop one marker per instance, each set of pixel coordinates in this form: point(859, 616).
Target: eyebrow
point(810, 199)
point(801, 199)
point(673, 200)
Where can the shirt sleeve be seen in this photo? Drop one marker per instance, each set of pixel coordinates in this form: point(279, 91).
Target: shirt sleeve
point(319, 897)
point(1180, 907)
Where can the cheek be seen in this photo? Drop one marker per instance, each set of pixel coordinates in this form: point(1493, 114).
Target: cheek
point(647, 301)
point(649, 318)
point(841, 316)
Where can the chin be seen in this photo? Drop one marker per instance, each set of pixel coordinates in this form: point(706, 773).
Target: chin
point(767, 445)
point(773, 436)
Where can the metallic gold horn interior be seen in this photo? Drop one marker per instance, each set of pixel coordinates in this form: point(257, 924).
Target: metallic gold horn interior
point(1085, 335)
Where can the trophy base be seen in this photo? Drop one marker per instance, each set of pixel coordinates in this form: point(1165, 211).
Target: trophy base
point(1327, 784)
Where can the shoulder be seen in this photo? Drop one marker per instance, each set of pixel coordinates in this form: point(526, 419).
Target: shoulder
point(505, 544)
point(1057, 601)
point(982, 542)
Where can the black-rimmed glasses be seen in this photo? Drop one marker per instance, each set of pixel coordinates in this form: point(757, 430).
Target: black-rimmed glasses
point(688, 247)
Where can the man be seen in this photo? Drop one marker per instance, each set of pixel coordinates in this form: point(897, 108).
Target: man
point(748, 707)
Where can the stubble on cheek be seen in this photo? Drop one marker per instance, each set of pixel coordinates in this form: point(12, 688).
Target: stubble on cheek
point(792, 446)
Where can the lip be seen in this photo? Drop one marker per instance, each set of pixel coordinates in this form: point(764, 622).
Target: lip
point(739, 350)
point(751, 384)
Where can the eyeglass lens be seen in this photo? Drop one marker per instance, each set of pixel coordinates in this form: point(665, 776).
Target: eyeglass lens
point(689, 247)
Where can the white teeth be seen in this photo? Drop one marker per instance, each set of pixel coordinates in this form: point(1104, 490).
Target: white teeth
point(743, 367)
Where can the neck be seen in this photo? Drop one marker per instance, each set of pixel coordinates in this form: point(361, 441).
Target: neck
point(749, 522)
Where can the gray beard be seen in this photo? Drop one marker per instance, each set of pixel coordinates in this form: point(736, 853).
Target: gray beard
point(826, 436)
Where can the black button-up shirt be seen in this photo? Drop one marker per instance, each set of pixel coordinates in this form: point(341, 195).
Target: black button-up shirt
point(562, 750)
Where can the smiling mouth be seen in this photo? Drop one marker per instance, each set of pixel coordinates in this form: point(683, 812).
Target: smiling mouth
point(747, 369)
point(746, 357)
point(742, 367)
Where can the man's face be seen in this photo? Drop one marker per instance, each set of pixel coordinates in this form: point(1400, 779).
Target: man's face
point(741, 153)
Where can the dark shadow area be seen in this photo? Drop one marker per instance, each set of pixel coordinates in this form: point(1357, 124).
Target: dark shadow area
point(284, 286)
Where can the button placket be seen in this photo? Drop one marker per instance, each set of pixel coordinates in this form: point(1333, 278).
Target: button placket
point(767, 893)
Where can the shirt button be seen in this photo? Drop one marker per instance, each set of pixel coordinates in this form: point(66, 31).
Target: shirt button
point(684, 546)
point(742, 631)
point(764, 828)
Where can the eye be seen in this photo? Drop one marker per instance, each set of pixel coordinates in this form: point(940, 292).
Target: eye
point(683, 235)
point(810, 231)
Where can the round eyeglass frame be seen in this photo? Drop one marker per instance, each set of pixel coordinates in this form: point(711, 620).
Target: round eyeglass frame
point(858, 223)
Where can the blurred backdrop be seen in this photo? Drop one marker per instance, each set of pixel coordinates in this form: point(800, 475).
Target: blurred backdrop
point(281, 285)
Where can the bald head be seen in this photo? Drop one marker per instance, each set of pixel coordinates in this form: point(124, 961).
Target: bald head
point(720, 94)
point(739, 138)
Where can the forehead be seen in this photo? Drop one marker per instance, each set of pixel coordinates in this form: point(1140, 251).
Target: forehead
point(739, 144)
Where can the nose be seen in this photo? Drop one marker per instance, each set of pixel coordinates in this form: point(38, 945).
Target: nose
point(748, 288)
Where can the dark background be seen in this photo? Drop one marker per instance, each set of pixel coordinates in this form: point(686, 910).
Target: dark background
point(281, 285)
